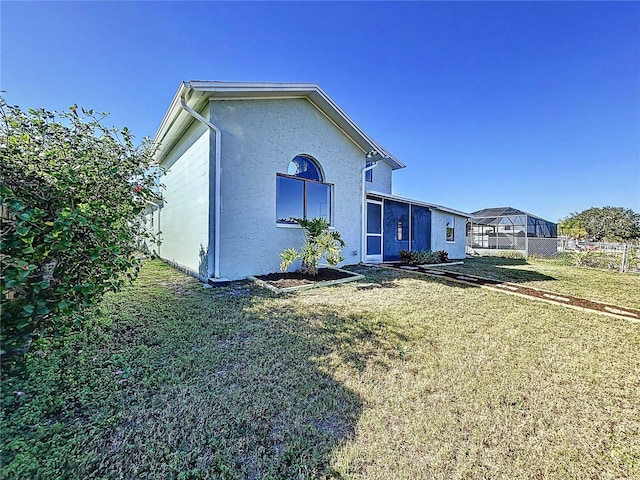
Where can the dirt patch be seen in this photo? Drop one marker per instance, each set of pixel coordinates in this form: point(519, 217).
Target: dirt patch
point(512, 288)
point(297, 279)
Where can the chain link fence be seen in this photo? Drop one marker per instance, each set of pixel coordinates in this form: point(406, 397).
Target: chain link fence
point(624, 257)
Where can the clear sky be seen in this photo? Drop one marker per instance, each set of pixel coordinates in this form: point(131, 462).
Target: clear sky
point(530, 105)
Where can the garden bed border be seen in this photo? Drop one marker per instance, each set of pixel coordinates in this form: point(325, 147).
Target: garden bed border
point(279, 291)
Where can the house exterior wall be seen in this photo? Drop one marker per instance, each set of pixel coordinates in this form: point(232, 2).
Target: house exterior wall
point(455, 249)
point(382, 174)
point(184, 217)
point(259, 139)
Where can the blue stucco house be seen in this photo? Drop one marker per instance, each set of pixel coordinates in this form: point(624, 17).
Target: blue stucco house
point(243, 159)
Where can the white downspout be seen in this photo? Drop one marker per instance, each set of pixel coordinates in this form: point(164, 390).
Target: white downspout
point(363, 243)
point(216, 201)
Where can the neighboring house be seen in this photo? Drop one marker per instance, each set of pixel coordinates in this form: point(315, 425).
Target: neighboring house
point(243, 160)
point(493, 230)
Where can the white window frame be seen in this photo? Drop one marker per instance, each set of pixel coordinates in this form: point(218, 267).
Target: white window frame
point(306, 181)
point(453, 228)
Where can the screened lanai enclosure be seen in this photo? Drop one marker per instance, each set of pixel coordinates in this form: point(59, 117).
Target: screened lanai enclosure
point(494, 230)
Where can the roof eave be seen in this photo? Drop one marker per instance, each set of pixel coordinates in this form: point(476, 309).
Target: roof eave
point(434, 206)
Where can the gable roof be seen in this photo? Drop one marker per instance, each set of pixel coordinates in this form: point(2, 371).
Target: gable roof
point(197, 93)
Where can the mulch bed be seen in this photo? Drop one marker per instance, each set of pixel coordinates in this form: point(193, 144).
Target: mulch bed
point(514, 288)
point(297, 279)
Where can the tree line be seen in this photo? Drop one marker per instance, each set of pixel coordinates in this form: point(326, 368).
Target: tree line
point(605, 224)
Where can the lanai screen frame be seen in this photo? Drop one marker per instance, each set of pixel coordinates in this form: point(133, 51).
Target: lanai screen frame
point(506, 229)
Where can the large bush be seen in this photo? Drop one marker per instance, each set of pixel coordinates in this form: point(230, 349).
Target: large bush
point(71, 197)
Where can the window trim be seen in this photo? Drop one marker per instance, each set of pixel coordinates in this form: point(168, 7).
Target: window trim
point(304, 197)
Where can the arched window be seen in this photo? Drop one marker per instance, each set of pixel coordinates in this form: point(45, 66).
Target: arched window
point(304, 167)
point(301, 193)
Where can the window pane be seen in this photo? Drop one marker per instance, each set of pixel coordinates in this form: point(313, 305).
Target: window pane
point(318, 201)
point(368, 175)
point(451, 226)
point(374, 218)
point(289, 199)
point(304, 167)
point(374, 245)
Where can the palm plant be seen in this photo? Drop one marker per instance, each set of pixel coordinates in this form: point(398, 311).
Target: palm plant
point(319, 242)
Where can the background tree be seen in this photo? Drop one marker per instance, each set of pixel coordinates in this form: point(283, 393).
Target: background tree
point(71, 197)
point(615, 224)
point(573, 228)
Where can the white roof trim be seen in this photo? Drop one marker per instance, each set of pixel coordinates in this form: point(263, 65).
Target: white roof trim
point(199, 92)
point(420, 203)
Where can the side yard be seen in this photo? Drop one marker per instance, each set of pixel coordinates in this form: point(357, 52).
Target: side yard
point(548, 274)
point(396, 376)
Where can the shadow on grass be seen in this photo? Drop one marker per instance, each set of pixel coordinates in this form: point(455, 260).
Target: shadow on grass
point(178, 381)
point(499, 268)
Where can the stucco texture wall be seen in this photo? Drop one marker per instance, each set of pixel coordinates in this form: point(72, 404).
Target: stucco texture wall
point(455, 249)
point(259, 139)
point(184, 218)
point(382, 174)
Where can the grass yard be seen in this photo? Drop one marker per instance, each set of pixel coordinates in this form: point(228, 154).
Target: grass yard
point(397, 376)
point(608, 286)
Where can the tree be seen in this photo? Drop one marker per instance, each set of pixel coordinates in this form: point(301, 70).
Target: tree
point(615, 224)
point(71, 197)
point(319, 242)
point(573, 228)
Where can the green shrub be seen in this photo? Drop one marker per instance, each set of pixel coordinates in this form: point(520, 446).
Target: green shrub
point(71, 197)
point(512, 255)
point(588, 258)
point(424, 257)
point(562, 258)
point(595, 259)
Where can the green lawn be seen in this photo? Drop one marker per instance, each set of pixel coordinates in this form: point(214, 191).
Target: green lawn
point(397, 376)
point(608, 286)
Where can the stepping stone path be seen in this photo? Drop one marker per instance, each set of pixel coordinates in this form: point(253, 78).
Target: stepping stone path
point(515, 289)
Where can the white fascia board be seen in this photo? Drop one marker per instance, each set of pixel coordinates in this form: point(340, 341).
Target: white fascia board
point(176, 121)
point(421, 203)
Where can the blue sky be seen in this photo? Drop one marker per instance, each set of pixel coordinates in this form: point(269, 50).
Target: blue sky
point(530, 105)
